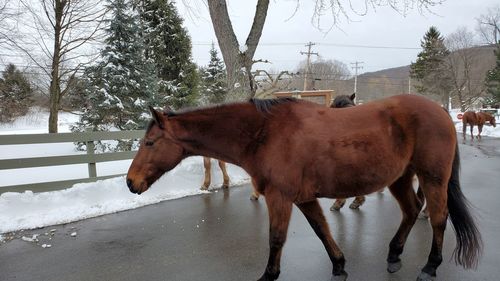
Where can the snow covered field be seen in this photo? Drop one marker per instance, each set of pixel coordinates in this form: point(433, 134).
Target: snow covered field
point(30, 210)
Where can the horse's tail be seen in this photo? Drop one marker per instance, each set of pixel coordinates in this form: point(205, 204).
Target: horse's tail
point(469, 243)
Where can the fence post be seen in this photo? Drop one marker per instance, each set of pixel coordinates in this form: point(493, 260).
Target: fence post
point(90, 150)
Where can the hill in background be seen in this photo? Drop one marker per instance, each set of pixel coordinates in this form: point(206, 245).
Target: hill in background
point(394, 81)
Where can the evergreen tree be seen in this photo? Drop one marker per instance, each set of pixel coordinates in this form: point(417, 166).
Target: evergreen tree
point(121, 85)
point(493, 79)
point(213, 80)
point(430, 68)
point(15, 94)
point(168, 45)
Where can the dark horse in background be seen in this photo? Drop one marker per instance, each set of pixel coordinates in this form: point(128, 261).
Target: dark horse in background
point(283, 145)
point(476, 119)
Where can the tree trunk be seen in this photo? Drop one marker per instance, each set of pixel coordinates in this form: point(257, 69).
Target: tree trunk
point(235, 59)
point(55, 85)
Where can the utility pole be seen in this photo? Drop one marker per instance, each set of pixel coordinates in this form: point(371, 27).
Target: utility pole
point(356, 66)
point(308, 53)
point(409, 85)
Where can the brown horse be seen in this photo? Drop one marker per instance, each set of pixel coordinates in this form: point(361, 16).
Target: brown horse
point(343, 101)
point(340, 101)
point(207, 164)
point(476, 119)
point(292, 159)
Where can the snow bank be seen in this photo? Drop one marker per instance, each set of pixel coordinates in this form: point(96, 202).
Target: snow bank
point(30, 210)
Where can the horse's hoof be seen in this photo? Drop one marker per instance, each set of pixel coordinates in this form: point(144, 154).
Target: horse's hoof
point(254, 198)
point(225, 185)
point(204, 188)
point(423, 215)
point(341, 277)
point(394, 266)
point(337, 206)
point(424, 276)
point(356, 204)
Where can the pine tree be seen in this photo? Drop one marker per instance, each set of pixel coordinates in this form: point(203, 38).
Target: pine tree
point(213, 80)
point(430, 68)
point(15, 94)
point(168, 45)
point(493, 79)
point(123, 82)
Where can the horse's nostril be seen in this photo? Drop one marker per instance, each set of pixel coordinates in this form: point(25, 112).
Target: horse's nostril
point(129, 183)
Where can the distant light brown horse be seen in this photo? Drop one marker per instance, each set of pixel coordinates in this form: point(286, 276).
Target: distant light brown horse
point(207, 164)
point(283, 145)
point(476, 119)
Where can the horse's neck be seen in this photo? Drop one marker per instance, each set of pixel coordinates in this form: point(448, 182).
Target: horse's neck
point(222, 133)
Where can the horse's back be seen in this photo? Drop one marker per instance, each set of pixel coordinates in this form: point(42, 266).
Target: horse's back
point(470, 117)
point(374, 142)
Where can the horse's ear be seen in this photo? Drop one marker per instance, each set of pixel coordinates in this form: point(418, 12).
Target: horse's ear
point(156, 117)
point(167, 111)
point(353, 96)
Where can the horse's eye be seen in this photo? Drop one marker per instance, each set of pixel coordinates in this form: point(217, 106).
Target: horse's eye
point(148, 143)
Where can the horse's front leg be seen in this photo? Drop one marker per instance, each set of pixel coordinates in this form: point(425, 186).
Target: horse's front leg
point(208, 166)
point(279, 209)
point(314, 215)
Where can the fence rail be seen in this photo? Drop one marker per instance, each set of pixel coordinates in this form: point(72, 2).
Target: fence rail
point(90, 158)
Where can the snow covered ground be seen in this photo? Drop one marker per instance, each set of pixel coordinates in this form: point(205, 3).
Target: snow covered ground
point(30, 210)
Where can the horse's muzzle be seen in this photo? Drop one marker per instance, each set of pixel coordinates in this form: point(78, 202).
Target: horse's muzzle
point(131, 187)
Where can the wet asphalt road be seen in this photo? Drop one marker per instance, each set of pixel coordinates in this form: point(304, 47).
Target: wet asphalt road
point(224, 236)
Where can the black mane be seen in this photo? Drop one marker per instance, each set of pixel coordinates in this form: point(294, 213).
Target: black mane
point(265, 105)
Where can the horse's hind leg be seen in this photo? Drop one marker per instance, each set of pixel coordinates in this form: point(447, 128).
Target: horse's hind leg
point(314, 215)
point(255, 194)
point(436, 197)
point(410, 206)
point(208, 165)
point(279, 209)
point(464, 129)
point(338, 204)
point(225, 176)
point(479, 131)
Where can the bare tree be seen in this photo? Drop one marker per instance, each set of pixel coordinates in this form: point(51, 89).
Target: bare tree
point(488, 25)
point(54, 38)
point(326, 74)
point(271, 82)
point(464, 68)
point(238, 58)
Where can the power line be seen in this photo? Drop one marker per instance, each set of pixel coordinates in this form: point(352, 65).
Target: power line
point(278, 44)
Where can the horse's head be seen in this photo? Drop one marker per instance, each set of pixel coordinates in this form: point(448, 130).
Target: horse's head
point(158, 153)
point(493, 121)
point(343, 101)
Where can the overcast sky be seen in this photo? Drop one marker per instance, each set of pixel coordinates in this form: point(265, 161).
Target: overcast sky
point(283, 37)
